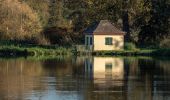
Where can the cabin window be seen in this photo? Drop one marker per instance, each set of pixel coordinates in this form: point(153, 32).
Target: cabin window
point(108, 41)
point(91, 41)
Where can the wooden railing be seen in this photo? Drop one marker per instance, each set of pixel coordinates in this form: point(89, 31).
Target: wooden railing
point(84, 48)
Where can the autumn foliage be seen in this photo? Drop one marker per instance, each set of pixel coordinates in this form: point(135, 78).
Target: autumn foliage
point(18, 21)
point(63, 21)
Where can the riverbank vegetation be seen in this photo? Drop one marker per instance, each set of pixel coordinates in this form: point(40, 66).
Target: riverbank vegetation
point(130, 49)
point(62, 22)
point(12, 49)
point(15, 49)
point(142, 52)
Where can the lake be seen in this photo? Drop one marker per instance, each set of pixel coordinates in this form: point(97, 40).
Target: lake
point(85, 78)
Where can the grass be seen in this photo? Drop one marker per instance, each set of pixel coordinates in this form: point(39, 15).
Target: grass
point(10, 49)
point(130, 49)
point(17, 50)
point(14, 51)
point(137, 52)
point(125, 53)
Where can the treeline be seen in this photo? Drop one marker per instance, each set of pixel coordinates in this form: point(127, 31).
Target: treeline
point(147, 22)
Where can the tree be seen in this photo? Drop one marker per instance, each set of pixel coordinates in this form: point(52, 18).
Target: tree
point(25, 24)
point(41, 7)
point(63, 21)
point(157, 28)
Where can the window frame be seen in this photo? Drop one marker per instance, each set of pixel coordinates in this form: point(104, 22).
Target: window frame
point(108, 41)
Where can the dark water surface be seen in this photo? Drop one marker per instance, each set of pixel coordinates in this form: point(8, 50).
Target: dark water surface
point(94, 78)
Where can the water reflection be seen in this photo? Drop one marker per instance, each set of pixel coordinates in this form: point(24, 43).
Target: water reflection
point(85, 78)
point(105, 71)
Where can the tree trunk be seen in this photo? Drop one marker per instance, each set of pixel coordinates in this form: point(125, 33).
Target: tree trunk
point(126, 26)
point(125, 18)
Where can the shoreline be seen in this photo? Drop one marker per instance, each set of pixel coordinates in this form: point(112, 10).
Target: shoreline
point(142, 52)
point(15, 51)
point(39, 51)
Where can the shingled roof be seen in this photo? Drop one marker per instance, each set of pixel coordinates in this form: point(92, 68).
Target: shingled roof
point(103, 27)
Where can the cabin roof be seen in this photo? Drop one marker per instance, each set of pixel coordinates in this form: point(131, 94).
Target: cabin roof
point(103, 27)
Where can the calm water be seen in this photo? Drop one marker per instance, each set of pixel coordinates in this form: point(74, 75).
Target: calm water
point(94, 78)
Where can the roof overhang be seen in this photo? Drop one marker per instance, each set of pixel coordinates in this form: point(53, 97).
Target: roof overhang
point(123, 33)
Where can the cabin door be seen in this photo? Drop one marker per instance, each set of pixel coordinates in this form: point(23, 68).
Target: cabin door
point(89, 42)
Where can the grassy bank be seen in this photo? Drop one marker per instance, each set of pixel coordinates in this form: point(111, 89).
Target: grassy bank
point(13, 49)
point(38, 51)
point(130, 49)
point(125, 53)
point(138, 52)
point(17, 50)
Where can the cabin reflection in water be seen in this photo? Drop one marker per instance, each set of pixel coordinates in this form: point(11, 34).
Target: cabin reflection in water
point(107, 76)
point(92, 78)
point(104, 70)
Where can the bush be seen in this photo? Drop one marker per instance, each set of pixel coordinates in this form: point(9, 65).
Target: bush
point(165, 43)
point(130, 46)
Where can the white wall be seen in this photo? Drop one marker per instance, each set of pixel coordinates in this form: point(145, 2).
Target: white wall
point(99, 42)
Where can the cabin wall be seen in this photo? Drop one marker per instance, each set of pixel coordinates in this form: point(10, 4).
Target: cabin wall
point(117, 42)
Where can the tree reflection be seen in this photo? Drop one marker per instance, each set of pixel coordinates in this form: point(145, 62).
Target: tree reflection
point(18, 77)
point(85, 78)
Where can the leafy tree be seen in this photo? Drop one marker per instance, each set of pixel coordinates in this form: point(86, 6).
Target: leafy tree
point(63, 21)
point(158, 26)
point(24, 26)
point(41, 7)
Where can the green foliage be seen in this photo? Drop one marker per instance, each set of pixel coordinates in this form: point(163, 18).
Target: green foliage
point(63, 21)
point(124, 53)
point(130, 46)
point(158, 25)
point(8, 48)
point(41, 7)
point(143, 52)
point(165, 43)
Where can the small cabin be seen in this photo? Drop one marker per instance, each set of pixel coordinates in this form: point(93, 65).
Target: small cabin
point(103, 35)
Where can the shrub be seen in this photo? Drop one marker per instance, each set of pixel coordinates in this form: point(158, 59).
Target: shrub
point(130, 46)
point(165, 43)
